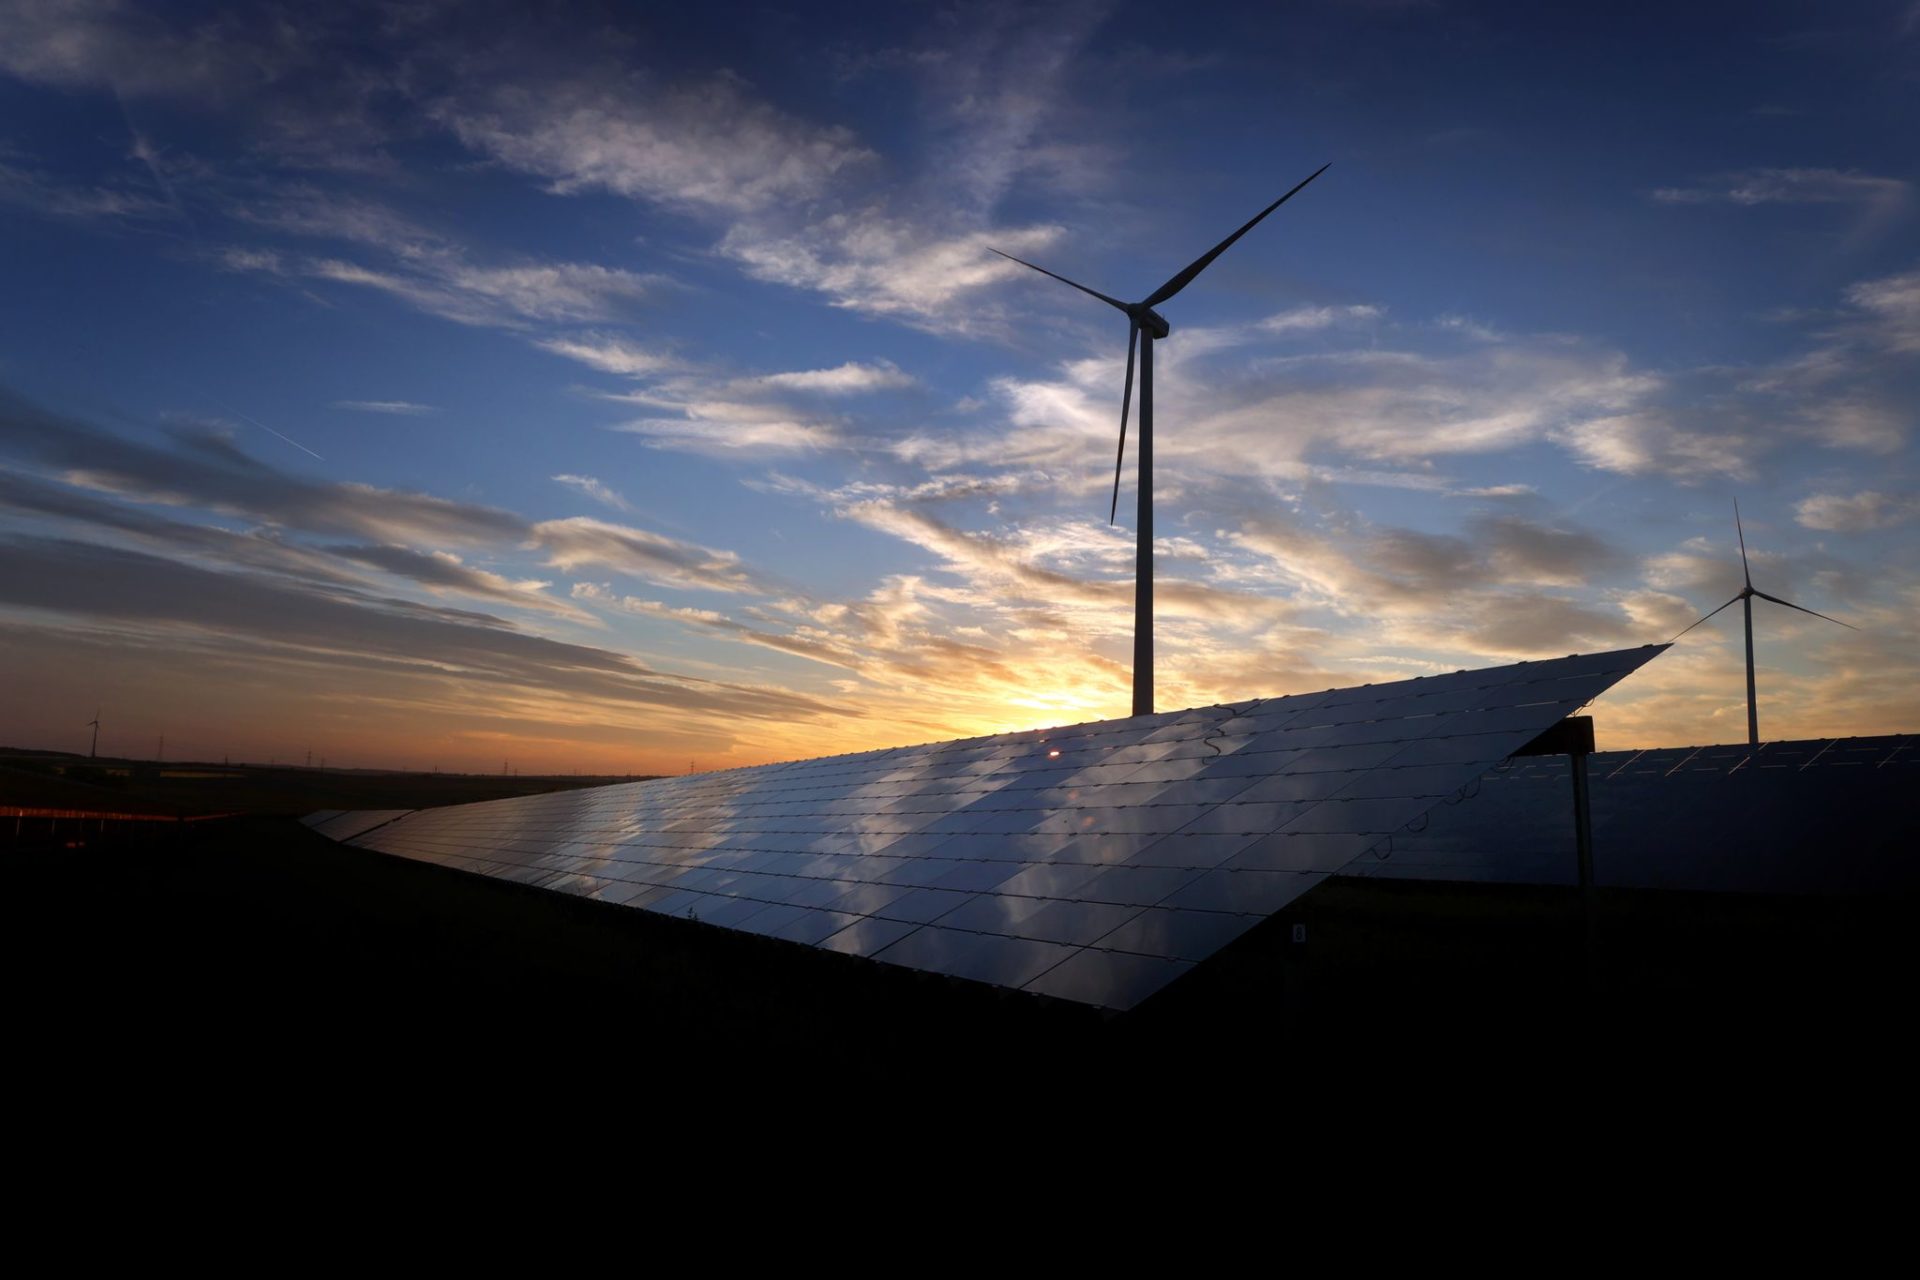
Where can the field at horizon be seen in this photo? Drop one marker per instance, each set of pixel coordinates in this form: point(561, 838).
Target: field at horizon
point(168, 789)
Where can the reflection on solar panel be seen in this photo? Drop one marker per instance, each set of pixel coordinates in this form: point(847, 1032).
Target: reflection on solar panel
point(1094, 863)
point(339, 824)
point(1826, 816)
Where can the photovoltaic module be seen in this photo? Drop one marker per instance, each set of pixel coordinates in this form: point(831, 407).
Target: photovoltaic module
point(1095, 863)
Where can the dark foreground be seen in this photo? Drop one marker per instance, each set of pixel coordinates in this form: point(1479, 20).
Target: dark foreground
point(252, 949)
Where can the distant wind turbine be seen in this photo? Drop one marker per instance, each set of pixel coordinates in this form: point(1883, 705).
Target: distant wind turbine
point(1144, 325)
point(93, 752)
point(1745, 597)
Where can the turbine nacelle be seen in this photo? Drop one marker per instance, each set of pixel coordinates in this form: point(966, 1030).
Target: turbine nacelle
point(1148, 321)
point(1144, 324)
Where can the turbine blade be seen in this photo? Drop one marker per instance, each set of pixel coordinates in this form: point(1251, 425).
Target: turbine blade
point(1112, 302)
point(1802, 608)
point(1126, 401)
point(1743, 543)
point(1201, 263)
point(1703, 617)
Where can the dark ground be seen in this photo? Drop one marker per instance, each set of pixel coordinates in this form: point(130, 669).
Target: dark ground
point(252, 949)
point(55, 780)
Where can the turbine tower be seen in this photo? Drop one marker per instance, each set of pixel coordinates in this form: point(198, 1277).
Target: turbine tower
point(1145, 326)
point(1745, 597)
point(93, 751)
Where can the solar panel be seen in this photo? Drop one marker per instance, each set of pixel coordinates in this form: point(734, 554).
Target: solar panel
point(1824, 816)
point(343, 824)
point(1095, 863)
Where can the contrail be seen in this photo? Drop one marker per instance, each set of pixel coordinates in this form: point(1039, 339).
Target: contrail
point(263, 426)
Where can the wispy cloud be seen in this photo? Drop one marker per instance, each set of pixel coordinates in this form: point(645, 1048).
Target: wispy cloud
point(394, 408)
point(44, 193)
point(1001, 98)
point(1791, 186)
point(282, 627)
point(852, 378)
point(1879, 203)
point(1310, 319)
point(442, 571)
point(597, 490)
point(1656, 442)
point(1893, 303)
point(611, 353)
point(720, 435)
point(705, 145)
point(510, 297)
point(582, 541)
point(1857, 512)
point(890, 266)
point(207, 470)
point(103, 43)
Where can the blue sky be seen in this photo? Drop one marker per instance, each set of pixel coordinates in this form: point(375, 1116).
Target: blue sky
point(431, 384)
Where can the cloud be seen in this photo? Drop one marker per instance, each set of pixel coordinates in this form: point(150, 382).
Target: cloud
point(1542, 625)
point(268, 550)
point(1893, 303)
point(1385, 568)
point(1858, 422)
point(479, 656)
point(428, 270)
point(1287, 417)
point(304, 210)
point(758, 415)
point(596, 490)
point(207, 470)
point(1001, 95)
point(1879, 203)
point(45, 194)
point(100, 517)
point(1311, 319)
point(1519, 550)
point(443, 571)
point(1843, 391)
point(1856, 513)
point(1653, 442)
point(1013, 570)
point(508, 297)
point(310, 617)
point(580, 541)
point(108, 43)
point(852, 378)
point(310, 86)
point(1495, 491)
point(743, 417)
point(396, 408)
point(611, 353)
point(886, 265)
point(703, 145)
point(1792, 186)
point(721, 437)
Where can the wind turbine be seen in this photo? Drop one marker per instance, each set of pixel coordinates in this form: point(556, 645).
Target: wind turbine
point(1145, 326)
point(1745, 598)
point(93, 752)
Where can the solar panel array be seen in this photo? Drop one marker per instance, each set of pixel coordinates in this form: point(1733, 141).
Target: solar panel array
point(1822, 816)
point(1093, 863)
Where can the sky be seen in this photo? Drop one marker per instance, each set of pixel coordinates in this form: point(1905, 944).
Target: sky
point(631, 389)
